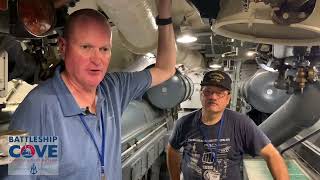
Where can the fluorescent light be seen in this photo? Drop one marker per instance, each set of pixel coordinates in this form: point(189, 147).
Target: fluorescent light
point(215, 66)
point(251, 53)
point(186, 38)
point(215, 63)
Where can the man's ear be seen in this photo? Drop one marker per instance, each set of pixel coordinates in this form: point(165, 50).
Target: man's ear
point(229, 96)
point(62, 47)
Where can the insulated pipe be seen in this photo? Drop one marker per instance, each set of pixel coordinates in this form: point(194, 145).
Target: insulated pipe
point(135, 22)
point(299, 112)
point(138, 15)
point(190, 17)
point(140, 64)
point(189, 58)
point(141, 36)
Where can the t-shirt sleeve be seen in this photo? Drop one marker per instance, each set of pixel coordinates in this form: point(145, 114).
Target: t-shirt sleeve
point(253, 138)
point(131, 85)
point(176, 139)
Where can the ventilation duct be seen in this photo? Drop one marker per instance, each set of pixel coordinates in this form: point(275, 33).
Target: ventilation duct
point(299, 112)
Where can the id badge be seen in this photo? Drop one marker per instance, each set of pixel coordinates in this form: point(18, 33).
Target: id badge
point(103, 176)
point(211, 175)
point(214, 175)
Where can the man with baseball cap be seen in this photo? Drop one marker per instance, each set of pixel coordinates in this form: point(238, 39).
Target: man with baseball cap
point(214, 138)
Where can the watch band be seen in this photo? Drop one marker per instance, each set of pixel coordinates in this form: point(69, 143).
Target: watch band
point(162, 22)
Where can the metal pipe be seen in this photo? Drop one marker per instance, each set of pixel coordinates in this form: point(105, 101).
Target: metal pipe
point(300, 141)
point(235, 89)
point(4, 22)
point(129, 150)
point(299, 112)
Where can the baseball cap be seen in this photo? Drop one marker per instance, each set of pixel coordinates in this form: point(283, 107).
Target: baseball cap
point(217, 78)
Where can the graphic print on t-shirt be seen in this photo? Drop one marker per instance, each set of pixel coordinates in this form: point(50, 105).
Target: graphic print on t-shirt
point(194, 158)
point(201, 156)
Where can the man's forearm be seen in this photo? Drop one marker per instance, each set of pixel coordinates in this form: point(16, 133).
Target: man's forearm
point(278, 168)
point(166, 52)
point(275, 162)
point(166, 55)
point(173, 163)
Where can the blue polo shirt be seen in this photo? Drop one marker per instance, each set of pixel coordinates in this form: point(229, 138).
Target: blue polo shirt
point(51, 110)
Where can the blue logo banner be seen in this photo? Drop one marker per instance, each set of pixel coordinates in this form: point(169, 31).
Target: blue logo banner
point(34, 155)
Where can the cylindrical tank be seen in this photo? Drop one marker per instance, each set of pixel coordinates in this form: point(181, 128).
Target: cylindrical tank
point(260, 92)
point(252, 21)
point(172, 92)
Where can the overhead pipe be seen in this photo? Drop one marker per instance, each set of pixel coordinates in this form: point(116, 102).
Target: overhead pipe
point(135, 22)
point(189, 58)
point(140, 64)
point(138, 15)
point(299, 112)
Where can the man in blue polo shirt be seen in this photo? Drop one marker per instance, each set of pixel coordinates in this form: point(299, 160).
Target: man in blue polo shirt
point(82, 105)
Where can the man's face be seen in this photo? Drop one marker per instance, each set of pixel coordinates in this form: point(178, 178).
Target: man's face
point(87, 53)
point(214, 99)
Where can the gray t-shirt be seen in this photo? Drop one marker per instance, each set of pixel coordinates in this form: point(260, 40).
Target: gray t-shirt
point(239, 135)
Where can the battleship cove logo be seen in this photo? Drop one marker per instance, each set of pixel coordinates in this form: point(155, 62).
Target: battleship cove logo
point(34, 155)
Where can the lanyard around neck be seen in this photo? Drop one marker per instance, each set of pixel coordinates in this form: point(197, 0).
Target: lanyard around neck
point(206, 139)
point(101, 154)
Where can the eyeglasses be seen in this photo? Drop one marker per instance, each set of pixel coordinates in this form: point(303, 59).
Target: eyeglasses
point(218, 93)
